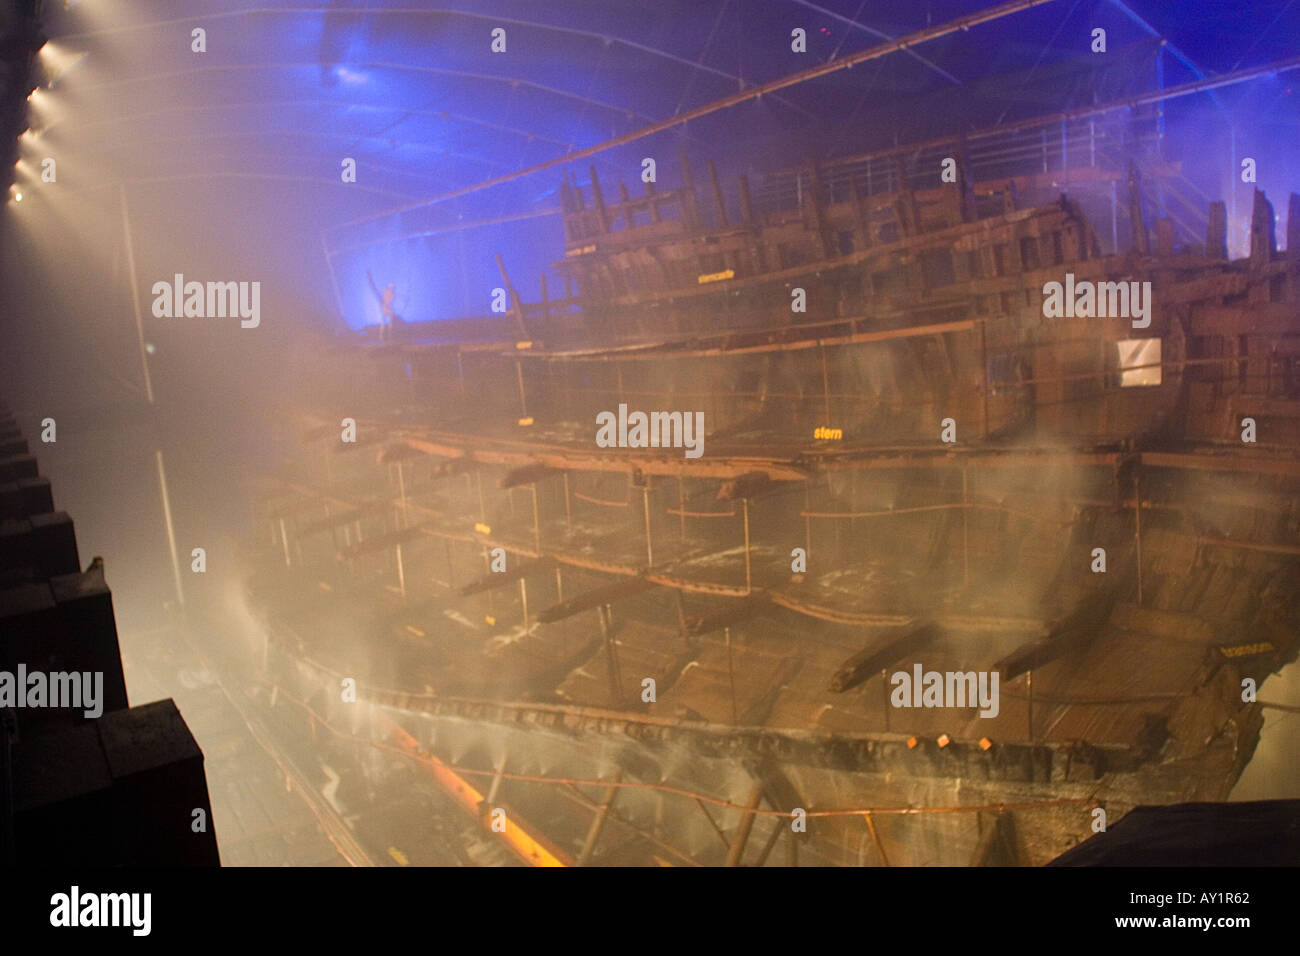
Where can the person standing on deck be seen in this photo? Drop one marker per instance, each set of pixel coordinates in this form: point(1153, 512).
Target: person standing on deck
point(387, 314)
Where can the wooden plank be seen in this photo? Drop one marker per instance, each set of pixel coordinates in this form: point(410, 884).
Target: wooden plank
point(1239, 462)
point(496, 579)
point(727, 615)
point(527, 475)
point(1216, 231)
point(1074, 631)
point(876, 655)
point(382, 541)
point(596, 597)
point(459, 446)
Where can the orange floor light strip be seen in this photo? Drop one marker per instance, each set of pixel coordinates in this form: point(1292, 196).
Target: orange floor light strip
point(533, 850)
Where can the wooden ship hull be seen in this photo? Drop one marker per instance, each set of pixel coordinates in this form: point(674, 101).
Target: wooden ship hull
point(670, 656)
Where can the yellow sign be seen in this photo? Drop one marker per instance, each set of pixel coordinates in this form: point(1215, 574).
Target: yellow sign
point(1245, 650)
point(718, 276)
point(481, 528)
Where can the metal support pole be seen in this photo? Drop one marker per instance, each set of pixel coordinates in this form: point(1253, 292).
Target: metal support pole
point(1160, 104)
point(495, 787)
point(731, 679)
point(523, 599)
point(965, 531)
point(712, 823)
point(537, 528)
point(491, 594)
point(284, 542)
point(745, 507)
point(984, 378)
point(807, 520)
point(1232, 193)
point(171, 532)
point(334, 279)
point(598, 821)
point(135, 295)
point(737, 849)
point(1114, 216)
point(884, 695)
point(1029, 709)
point(611, 656)
point(1137, 513)
point(681, 617)
point(401, 490)
point(880, 847)
point(681, 504)
point(523, 400)
point(770, 842)
point(649, 550)
point(826, 390)
point(1065, 160)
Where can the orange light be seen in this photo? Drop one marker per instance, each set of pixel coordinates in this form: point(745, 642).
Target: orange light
point(943, 740)
point(985, 743)
point(532, 849)
point(911, 743)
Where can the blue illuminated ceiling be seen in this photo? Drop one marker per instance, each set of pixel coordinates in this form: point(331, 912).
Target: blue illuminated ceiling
point(414, 94)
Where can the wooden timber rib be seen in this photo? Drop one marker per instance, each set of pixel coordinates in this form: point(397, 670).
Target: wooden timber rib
point(797, 464)
point(496, 579)
point(537, 459)
point(519, 454)
point(726, 615)
point(801, 745)
point(381, 542)
point(670, 578)
point(868, 661)
point(786, 339)
point(595, 598)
